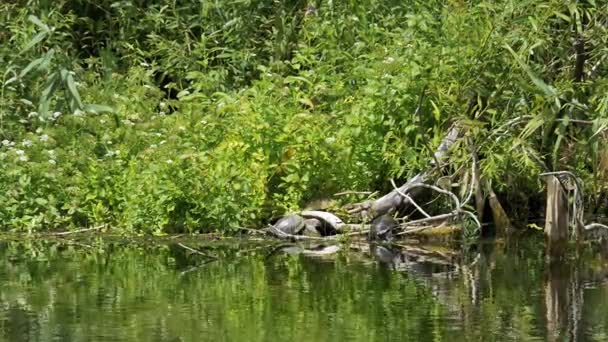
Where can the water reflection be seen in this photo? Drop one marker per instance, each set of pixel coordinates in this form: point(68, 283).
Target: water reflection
point(119, 291)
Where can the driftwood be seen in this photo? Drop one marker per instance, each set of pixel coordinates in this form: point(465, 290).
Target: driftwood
point(392, 200)
point(398, 197)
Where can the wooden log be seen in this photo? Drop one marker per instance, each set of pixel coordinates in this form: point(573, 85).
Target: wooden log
point(557, 218)
point(502, 223)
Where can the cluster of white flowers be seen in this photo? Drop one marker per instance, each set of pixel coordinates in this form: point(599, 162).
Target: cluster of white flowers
point(21, 156)
point(330, 140)
point(111, 153)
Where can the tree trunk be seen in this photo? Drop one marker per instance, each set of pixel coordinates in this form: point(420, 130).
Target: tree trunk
point(556, 220)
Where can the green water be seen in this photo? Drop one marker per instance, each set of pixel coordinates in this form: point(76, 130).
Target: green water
point(133, 291)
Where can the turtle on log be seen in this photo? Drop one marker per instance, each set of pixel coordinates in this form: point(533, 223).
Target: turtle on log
point(382, 228)
point(290, 224)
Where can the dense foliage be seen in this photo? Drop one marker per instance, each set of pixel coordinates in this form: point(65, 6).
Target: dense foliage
point(181, 115)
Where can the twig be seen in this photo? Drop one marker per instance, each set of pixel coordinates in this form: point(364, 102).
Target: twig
point(196, 267)
point(343, 193)
point(409, 199)
point(473, 176)
point(254, 231)
point(594, 226)
point(197, 251)
point(439, 190)
point(78, 231)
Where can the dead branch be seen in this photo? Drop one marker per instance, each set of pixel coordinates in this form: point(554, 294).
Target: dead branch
point(392, 200)
point(79, 230)
point(196, 251)
point(409, 199)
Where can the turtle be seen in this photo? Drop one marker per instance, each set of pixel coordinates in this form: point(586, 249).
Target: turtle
point(311, 227)
point(382, 228)
point(290, 224)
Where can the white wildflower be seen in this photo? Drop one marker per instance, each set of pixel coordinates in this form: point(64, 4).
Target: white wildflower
point(128, 122)
point(102, 121)
point(38, 130)
point(56, 115)
point(26, 143)
point(162, 104)
point(52, 161)
point(162, 142)
point(117, 152)
point(389, 60)
point(169, 161)
point(20, 152)
point(5, 142)
point(330, 140)
point(182, 128)
point(153, 146)
point(32, 115)
point(51, 153)
point(23, 158)
point(161, 113)
point(44, 138)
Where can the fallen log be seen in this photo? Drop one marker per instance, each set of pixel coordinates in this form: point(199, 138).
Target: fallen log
point(393, 200)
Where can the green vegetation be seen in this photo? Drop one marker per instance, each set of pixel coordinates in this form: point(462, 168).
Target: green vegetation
point(182, 116)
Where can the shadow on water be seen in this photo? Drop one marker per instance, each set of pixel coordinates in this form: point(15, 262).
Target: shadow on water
point(235, 290)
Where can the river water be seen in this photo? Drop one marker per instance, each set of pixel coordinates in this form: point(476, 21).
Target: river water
point(96, 290)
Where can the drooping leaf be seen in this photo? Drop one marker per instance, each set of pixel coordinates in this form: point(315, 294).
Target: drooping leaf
point(98, 109)
point(37, 39)
point(36, 21)
point(544, 87)
point(71, 85)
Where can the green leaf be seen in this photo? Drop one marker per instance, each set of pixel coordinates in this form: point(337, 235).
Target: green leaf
point(37, 39)
point(34, 19)
point(98, 109)
point(71, 85)
point(548, 90)
point(51, 84)
point(36, 62)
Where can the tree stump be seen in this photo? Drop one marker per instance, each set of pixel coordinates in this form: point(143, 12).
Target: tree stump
point(557, 218)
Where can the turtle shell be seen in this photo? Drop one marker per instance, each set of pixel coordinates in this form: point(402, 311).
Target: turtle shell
point(290, 224)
